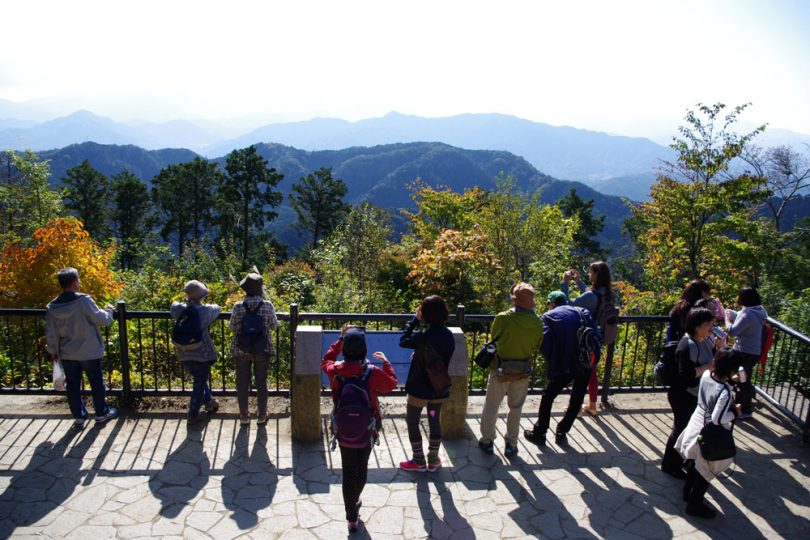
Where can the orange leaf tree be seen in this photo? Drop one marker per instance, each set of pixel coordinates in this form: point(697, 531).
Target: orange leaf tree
point(28, 274)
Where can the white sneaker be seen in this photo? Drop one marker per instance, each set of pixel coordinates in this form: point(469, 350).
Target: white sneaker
point(112, 412)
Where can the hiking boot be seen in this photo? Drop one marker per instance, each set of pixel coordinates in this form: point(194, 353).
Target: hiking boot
point(111, 413)
point(262, 419)
point(510, 451)
point(411, 465)
point(701, 510)
point(486, 447)
point(212, 406)
point(433, 466)
point(79, 423)
point(561, 439)
point(534, 437)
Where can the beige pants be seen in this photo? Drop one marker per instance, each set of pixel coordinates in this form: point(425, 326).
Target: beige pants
point(515, 392)
point(259, 364)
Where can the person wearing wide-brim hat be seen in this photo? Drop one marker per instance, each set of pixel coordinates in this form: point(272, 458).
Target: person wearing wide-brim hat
point(252, 321)
point(197, 360)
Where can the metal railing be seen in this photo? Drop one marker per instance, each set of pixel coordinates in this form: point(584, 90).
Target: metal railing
point(140, 361)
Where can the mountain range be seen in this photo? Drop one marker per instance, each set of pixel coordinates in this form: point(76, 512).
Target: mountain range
point(611, 164)
point(378, 174)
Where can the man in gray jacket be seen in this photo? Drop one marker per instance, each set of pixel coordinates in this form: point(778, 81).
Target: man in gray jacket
point(72, 322)
point(197, 357)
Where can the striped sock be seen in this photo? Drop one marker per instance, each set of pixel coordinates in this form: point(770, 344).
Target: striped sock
point(418, 453)
point(433, 450)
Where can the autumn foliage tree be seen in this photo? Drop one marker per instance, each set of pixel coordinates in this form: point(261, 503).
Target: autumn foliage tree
point(28, 272)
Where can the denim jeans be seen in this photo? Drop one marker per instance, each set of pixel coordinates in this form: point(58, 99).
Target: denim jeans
point(200, 392)
point(73, 377)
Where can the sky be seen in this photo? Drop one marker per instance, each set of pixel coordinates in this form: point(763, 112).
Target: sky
point(623, 67)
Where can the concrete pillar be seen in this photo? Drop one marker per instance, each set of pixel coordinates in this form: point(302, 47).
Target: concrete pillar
point(305, 405)
point(454, 409)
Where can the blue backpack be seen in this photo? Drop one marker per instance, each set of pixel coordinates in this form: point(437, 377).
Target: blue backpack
point(187, 333)
point(252, 337)
point(353, 421)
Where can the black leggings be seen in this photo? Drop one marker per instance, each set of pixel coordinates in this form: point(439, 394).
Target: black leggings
point(683, 405)
point(355, 474)
point(413, 413)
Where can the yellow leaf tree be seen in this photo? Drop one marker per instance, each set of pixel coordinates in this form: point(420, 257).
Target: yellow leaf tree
point(28, 272)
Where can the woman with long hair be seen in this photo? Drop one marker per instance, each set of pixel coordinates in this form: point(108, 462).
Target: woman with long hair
point(694, 291)
point(590, 297)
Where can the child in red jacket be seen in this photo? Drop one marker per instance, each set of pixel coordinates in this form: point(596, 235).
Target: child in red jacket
point(355, 378)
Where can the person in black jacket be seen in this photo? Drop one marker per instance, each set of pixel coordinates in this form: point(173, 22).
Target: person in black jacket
point(433, 312)
point(695, 354)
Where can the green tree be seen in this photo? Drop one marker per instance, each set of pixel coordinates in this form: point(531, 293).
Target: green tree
point(699, 221)
point(245, 200)
point(86, 195)
point(27, 201)
point(184, 195)
point(318, 202)
point(131, 216)
point(586, 247)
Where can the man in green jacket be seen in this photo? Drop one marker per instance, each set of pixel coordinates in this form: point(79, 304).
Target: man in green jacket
point(518, 333)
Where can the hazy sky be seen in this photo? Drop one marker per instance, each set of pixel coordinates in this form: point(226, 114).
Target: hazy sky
point(618, 66)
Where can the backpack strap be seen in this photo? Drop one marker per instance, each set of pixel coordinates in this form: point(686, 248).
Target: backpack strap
point(255, 310)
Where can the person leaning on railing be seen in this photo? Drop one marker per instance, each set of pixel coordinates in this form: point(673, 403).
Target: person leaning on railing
point(252, 348)
point(747, 327)
point(198, 360)
point(695, 355)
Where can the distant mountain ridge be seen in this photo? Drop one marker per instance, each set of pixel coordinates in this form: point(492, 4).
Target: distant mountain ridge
point(611, 164)
point(378, 174)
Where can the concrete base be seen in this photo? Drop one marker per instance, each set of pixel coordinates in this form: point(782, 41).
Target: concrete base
point(305, 408)
point(454, 410)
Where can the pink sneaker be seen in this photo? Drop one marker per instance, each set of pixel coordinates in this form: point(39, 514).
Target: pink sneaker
point(411, 465)
point(433, 466)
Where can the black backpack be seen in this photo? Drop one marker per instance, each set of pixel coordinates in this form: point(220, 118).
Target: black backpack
point(666, 369)
point(587, 343)
point(187, 332)
point(252, 337)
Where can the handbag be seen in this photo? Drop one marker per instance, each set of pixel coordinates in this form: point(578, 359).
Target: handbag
point(435, 368)
point(486, 354)
point(716, 442)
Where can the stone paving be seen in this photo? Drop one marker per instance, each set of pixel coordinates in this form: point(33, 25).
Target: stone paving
point(148, 475)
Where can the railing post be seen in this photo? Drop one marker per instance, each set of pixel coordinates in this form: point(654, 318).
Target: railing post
point(293, 328)
point(608, 369)
point(123, 352)
point(460, 314)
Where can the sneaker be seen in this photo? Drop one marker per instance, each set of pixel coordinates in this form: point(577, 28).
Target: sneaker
point(194, 420)
point(359, 505)
point(244, 420)
point(486, 447)
point(701, 510)
point(411, 465)
point(510, 451)
point(79, 423)
point(111, 413)
point(433, 466)
point(212, 406)
point(561, 439)
point(534, 437)
point(262, 419)
point(743, 416)
point(353, 525)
